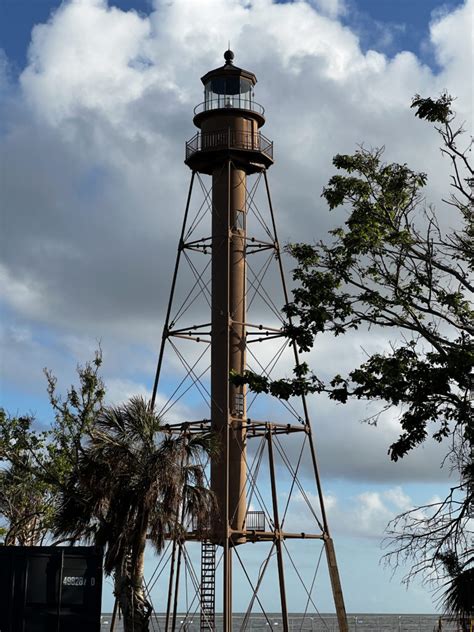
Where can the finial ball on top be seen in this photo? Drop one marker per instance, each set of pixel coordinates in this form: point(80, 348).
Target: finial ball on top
point(229, 57)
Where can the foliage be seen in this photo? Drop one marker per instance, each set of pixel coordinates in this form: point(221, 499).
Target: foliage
point(458, 596)
point(37, 463)
point(23, 499)
point(111, 475)
point(393, 266)
point(134, 481)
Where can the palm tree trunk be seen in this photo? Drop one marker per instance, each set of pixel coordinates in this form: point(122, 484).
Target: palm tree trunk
point(135, 607)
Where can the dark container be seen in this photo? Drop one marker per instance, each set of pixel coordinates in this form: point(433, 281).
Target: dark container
point(50, 588)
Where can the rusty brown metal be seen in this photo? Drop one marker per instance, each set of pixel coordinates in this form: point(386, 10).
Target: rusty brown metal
point(176, 587)
point(254, 535)
point(170, 301)
point(228, 472)
point(329, 546)
point(336, 585)
point(277, 534)
point(170, 584)
point(229, 147)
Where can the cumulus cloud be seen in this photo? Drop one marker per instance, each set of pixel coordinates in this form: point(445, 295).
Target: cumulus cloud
point(93, 184)
point(364, 515)
point(332, 8)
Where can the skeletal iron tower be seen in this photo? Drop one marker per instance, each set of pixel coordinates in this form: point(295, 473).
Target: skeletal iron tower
point(230, 148)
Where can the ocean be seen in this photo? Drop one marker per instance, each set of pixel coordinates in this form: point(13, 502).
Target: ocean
point(358, 622)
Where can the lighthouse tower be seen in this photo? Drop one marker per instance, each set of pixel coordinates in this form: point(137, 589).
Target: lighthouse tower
point(227, 151)
point(230, 149)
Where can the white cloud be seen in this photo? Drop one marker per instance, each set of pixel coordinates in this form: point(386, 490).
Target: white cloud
point(94, 185)
point(4, 69)
point(93, 192)
point(83, 58)
point(331, 8)
point(397, 496)
point(452, 35)
point(120, 390)
point(364, 515)
point(23, 294)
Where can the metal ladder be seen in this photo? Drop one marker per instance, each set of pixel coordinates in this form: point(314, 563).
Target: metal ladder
point(208, 586)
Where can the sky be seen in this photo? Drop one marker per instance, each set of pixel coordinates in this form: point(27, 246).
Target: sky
point(96, 103)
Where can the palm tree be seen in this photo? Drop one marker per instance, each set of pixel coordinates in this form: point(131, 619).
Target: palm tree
point(134, 482)
point(458, 597)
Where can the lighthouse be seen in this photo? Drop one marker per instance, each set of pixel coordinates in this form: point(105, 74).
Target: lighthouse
point(229, 147)
point(226, 152)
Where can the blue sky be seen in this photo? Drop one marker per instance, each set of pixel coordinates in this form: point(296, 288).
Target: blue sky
point(93, 126)
point(406, 20)
point(19, 16)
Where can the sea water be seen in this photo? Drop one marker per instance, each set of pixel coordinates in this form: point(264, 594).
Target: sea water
point(358, 622)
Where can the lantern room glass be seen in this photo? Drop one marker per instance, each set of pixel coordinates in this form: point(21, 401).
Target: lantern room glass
point(228, 92)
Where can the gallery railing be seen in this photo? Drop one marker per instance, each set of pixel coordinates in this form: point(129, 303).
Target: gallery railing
point(229, 139)
point(229, 101)
point(254, 521)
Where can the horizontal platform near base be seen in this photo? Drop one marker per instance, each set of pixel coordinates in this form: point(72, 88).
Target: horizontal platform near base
point(254, 427)
point(252, 535)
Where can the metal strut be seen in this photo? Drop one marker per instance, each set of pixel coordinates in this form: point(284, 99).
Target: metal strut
point(235, 290)
point(208, 586)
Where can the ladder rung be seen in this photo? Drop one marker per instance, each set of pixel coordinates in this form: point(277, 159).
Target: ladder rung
point(208, 586)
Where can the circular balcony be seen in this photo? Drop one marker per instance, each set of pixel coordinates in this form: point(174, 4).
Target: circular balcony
point(252, 150)
point(225, 102)
point(229, 104)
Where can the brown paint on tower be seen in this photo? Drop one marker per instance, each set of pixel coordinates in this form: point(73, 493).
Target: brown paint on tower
point(228, 341)
point(230, 149)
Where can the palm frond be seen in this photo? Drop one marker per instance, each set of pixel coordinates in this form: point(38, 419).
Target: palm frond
point(458, 599)
point(134, 475)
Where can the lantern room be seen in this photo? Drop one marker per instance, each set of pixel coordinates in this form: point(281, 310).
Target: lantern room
point(229, 120)
point(229, 88)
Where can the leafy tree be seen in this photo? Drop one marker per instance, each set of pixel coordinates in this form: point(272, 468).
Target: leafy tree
point(134, 481)
point(24, 505)
point(36, 463)
point(393, 265)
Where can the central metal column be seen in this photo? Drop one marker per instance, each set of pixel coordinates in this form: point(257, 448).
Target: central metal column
point(228, 471)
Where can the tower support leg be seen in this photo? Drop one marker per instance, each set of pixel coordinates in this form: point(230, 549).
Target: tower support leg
point(176, 588)
point(170, 301)
point(227, 596)
point(336, 585)
point(278, 539)
point(170, 585)
point(330, 553)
